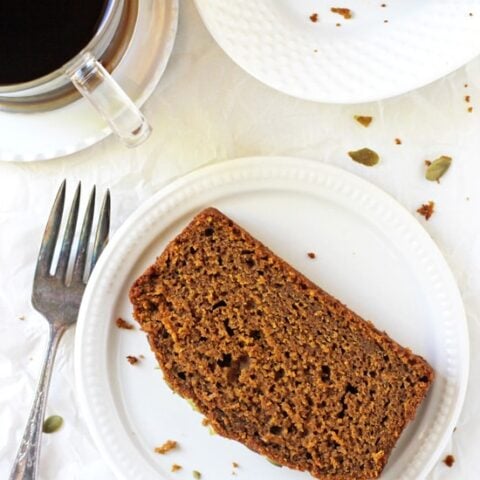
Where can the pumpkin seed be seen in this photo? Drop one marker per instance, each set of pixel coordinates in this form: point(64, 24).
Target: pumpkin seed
point(438, 168)
point(365, 156)
point(52, 424)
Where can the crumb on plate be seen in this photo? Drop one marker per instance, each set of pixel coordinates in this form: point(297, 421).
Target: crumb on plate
point(196, 474)
point(398, 141)
point(132, 359)
point(166, 447)
point(314, 17)
point(176, 467)
point(311, 255)
point(121, 323)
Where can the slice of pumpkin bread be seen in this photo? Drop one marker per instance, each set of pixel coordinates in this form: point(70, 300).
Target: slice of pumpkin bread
point(272, 360)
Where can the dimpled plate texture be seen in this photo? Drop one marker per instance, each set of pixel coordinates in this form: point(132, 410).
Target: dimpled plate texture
point(378, 53)
point(370, 253)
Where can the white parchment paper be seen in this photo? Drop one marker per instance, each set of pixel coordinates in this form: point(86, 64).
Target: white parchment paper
point(206, 109)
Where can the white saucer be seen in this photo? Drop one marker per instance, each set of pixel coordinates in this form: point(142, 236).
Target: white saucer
point(363, 59)
point(371, 254)
point(45, 135)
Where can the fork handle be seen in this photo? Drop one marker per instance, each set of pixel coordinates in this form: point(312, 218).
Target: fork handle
point(26, 461)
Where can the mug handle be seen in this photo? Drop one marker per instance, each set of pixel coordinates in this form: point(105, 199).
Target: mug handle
point(111, 102)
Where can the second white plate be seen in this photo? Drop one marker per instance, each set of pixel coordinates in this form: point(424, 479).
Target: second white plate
point(371, 254)
point(380, 52)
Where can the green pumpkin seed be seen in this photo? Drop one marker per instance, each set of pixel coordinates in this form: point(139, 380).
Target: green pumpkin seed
point(52, 424)
point(365, 156)
point(274, 463)
point(438, 168)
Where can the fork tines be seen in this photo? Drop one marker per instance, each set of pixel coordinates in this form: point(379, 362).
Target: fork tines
point(81, 270)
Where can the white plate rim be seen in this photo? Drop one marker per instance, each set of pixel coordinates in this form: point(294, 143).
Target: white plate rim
point(260, 168)
point(220, 35)
point(171, 26)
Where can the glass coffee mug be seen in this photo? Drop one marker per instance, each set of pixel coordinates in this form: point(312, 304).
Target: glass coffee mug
point(107, 31)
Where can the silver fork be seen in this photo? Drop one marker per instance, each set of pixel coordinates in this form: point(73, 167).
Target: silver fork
point(57, 297)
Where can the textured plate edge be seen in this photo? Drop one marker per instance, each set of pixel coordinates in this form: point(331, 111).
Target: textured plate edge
point(340, 100)
point(171, 27)
point(274, 162)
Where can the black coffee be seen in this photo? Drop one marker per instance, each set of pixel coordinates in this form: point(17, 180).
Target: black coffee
point(39, 36)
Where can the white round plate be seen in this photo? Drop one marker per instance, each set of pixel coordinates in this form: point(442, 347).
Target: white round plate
point(362, 60)
point(40, 136)
point(371, 253)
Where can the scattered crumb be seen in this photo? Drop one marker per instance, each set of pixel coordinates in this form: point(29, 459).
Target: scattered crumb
point(466, 85)
point(121, 323)
point(383, 5)
point(470, 109)
point(196, 474)
point(314, 17)
point(205, 422)
point(428, 163)
point(235, 465)
point(132, 359)
point(311, 255)
point(427, 209)
point(346, 13)
point(364, 120)
point(449, 460)
point(338, 24)
point(470, 14)
point(398, 141)
point(385, 21)
point(176, 467)
point(21, 317)
point(141, 357)
point(467, 98)
point(166, 447)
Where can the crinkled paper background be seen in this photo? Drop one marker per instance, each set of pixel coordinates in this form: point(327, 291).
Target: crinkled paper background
point(206, 109)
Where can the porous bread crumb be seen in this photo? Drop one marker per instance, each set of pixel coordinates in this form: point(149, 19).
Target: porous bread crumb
point(121, 323)
point(166, 447)
point(239, 274)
